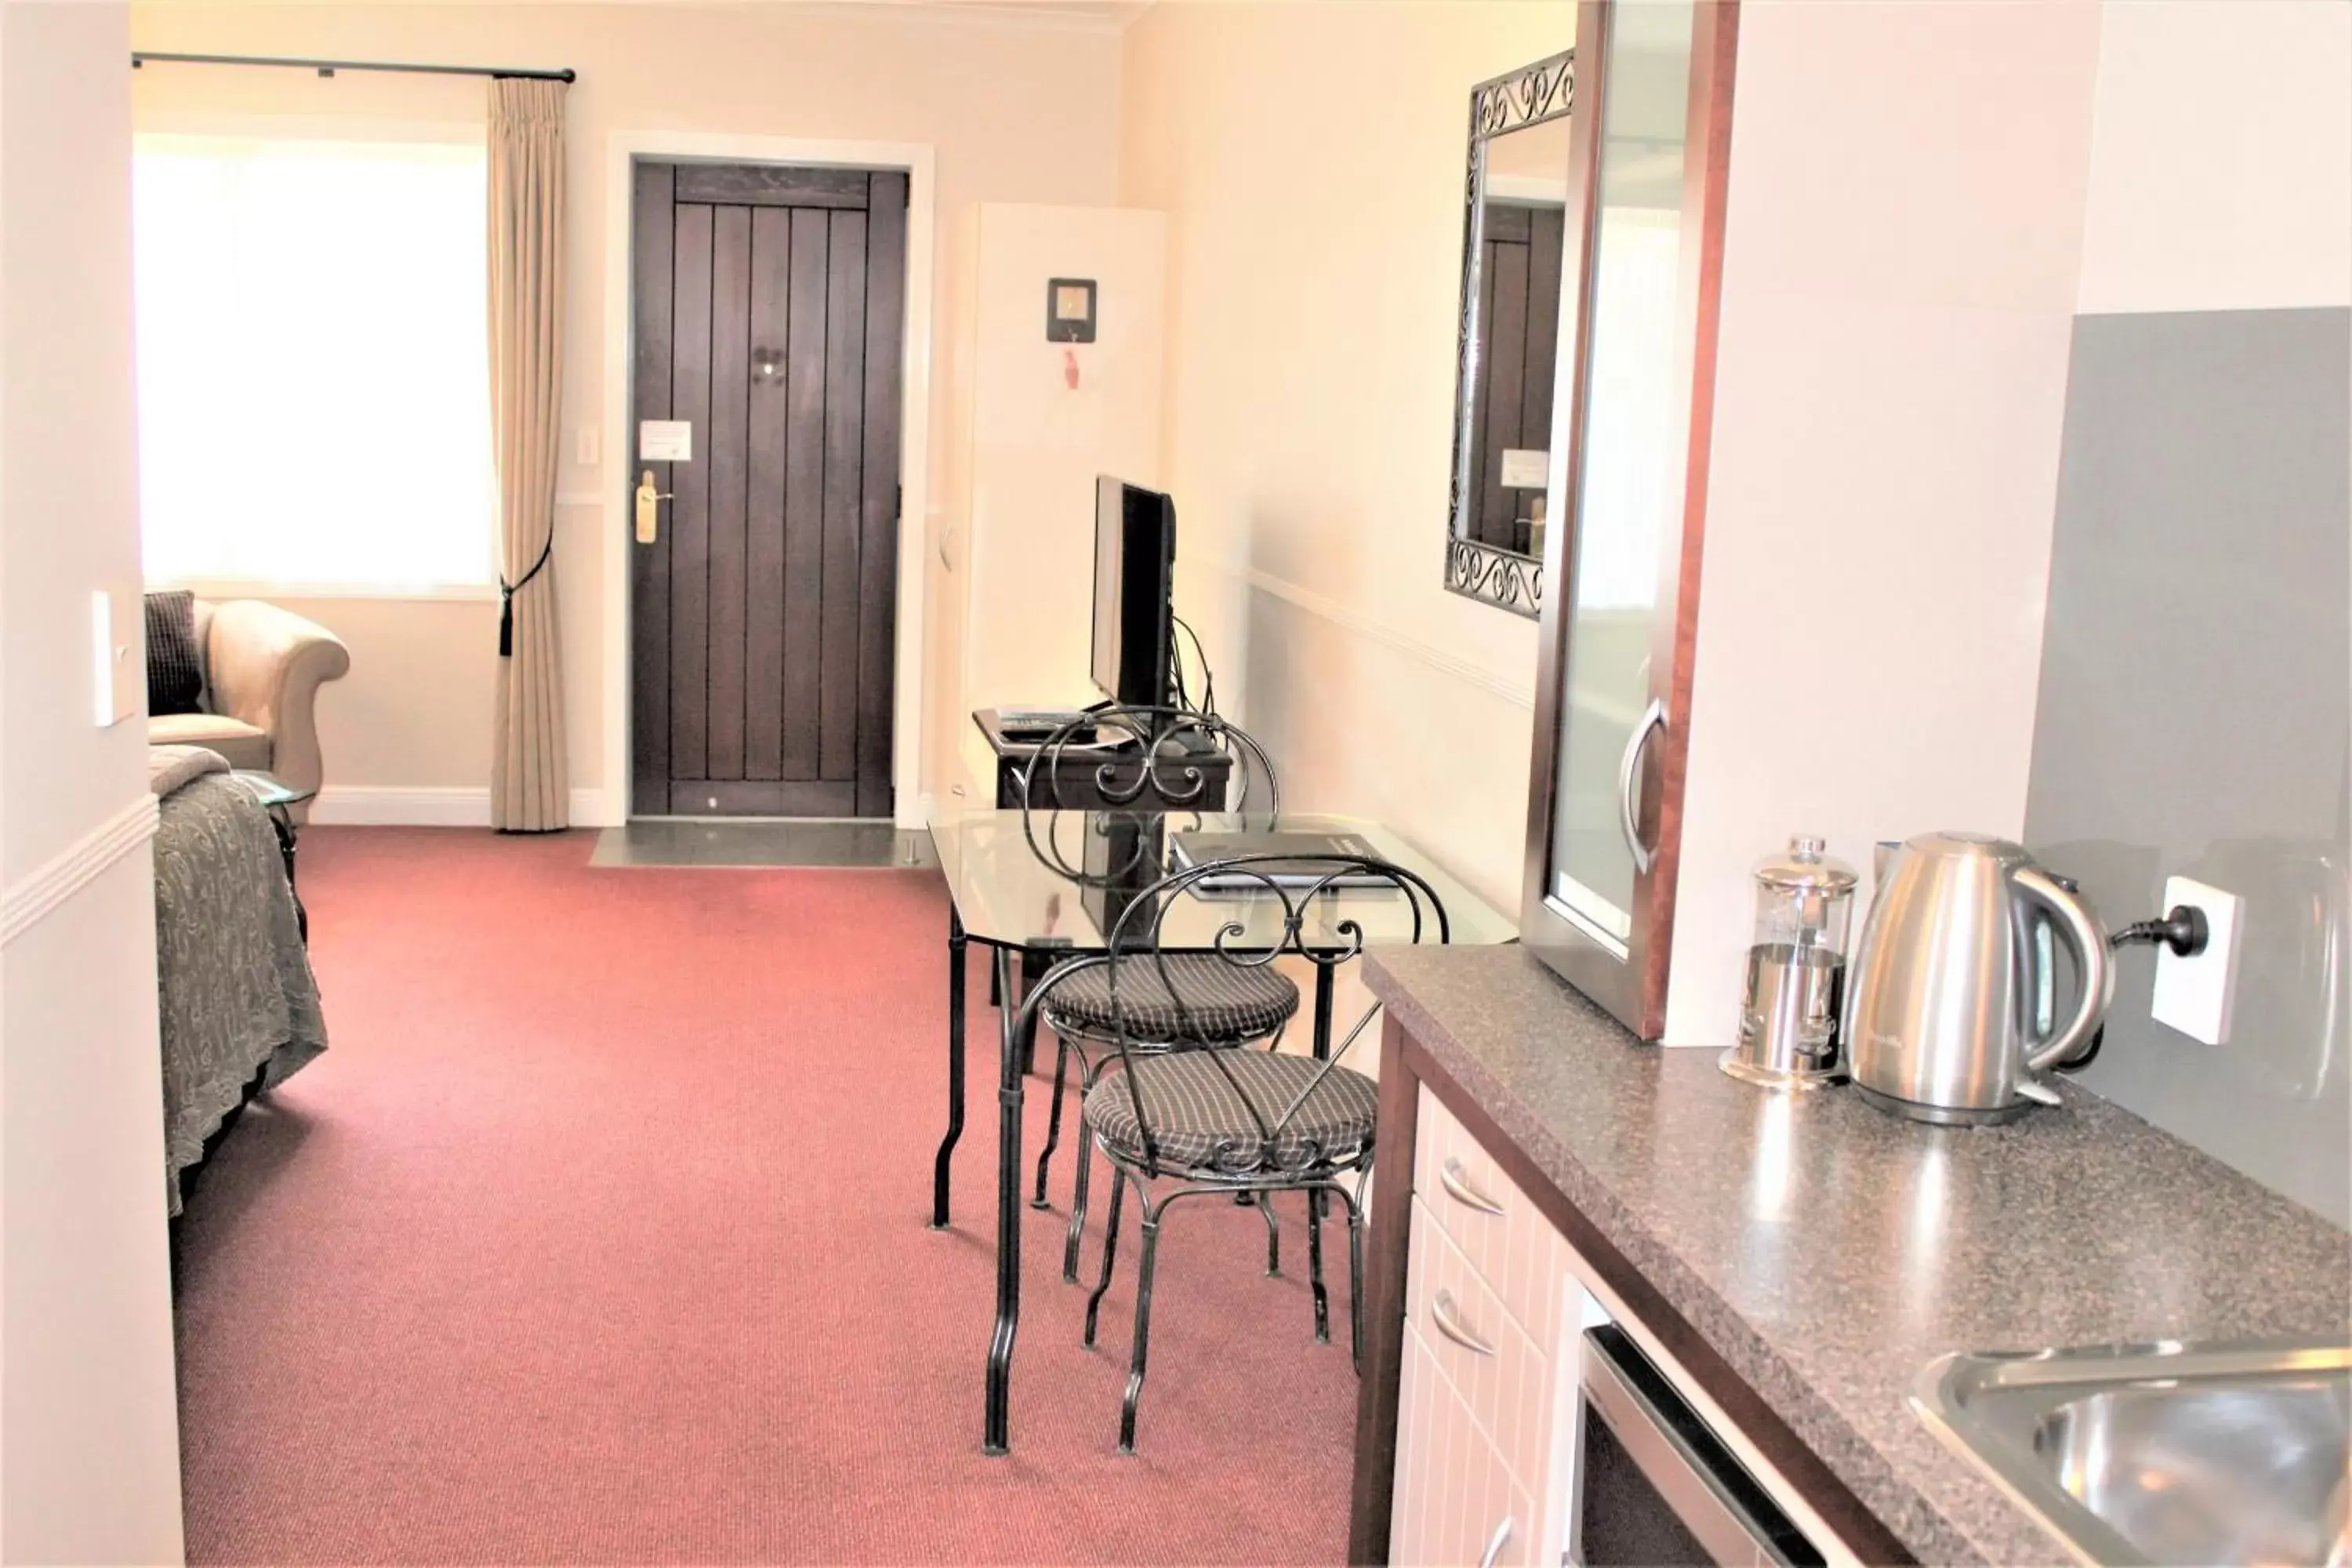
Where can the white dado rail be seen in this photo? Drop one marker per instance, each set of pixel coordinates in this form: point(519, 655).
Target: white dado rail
point(32, 898)
point(1511, 688)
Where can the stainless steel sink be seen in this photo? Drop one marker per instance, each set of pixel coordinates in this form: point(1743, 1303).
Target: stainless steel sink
point(2163, 1453)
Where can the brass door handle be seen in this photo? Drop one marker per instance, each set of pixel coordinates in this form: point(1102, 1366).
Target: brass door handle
point(649, 501)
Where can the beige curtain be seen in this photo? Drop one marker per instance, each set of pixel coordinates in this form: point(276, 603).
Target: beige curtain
point(528, 790)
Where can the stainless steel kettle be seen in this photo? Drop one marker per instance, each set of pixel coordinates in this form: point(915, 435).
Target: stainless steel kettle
point(1944, 980)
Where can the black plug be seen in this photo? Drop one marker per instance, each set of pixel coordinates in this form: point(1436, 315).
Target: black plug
point(2184, 931)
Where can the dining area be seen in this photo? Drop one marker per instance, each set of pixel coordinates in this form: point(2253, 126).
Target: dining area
point(1173, 959)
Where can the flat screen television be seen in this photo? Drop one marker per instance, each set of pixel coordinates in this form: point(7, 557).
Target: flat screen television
point(1135, 580)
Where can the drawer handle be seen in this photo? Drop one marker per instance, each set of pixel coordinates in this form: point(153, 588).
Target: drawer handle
point(1495, 1542)
point(1457, 1188)
point(1450, 1324)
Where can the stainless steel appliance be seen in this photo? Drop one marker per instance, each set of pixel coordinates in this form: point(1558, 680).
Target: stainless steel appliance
point(1942, 1026)
point(1796, 971)
point(1653, 1484)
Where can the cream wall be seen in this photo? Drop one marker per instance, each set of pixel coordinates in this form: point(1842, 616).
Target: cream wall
point(1017, 576)
point(89, 1431)
point(1021, 109)
point(1896, 308)
point(1892, 387)
point(1310, 160)
point(1898, 303)
point(66, 335)
point(2221, 157)
point(415, 711)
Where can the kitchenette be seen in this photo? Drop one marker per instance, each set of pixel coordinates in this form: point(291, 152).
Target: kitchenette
point(1915, 1123)
point(1647, 1313)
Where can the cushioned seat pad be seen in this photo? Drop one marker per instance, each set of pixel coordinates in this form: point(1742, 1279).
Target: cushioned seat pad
point(1199, 1105)
point(244, 745)
point(1215, 1002)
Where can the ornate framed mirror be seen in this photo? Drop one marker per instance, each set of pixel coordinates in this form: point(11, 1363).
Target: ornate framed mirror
point(1514, 241)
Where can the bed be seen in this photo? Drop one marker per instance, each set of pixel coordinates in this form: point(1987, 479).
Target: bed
point(238, 1003)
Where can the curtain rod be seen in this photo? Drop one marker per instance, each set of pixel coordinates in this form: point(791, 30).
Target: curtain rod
point(329, 68)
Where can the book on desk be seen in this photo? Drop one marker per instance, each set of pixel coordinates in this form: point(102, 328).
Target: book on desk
point(1035, 726)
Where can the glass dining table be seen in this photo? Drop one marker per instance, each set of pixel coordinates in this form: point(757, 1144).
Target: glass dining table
point(1036, 888)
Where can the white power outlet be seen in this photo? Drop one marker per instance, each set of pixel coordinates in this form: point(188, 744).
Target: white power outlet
point(2194, 995)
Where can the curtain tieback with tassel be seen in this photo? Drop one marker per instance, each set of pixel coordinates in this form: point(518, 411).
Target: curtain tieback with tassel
point(507, 591)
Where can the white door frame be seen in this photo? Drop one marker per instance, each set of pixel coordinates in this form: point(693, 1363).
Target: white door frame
point(623, 149)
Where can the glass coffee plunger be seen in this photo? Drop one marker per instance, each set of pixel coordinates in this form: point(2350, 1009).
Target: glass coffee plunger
point(1788, 1010)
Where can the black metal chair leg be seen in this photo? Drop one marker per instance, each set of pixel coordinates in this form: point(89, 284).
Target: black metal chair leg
point(1053, 1121)
point(1356, 1287)
point(1142, 1329)
point(1273, 1235)
point(1078, 1201)
point(1314, 1270)
point(1110, 1252)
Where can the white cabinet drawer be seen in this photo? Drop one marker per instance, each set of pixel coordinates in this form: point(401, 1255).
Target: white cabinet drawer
point(1513, 1247)
point(1456, 1501)
point(1501, 1374)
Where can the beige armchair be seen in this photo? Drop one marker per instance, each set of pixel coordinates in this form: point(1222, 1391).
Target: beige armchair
point(263, 668)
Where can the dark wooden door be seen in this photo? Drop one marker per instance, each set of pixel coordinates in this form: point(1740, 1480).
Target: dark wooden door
point(1519, 333)
point(769, 304)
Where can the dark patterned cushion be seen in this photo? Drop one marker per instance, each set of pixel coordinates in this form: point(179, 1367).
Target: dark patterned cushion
point(1199, 1105)
point(175, 680)
point(1215, 1002)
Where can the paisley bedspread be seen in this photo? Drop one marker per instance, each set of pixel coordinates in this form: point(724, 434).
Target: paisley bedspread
point(235, 988)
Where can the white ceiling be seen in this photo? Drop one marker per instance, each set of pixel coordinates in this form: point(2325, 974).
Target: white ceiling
point(1105, 14)
point(1090, 15)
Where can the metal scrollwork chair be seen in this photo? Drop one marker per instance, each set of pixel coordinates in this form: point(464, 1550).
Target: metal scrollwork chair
point(1229, 1121)
point(1151, 761)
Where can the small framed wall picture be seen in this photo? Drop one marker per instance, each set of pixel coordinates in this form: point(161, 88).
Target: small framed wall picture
point(1069, 309)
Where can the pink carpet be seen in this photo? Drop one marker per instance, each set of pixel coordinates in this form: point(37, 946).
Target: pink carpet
point(598, 1236)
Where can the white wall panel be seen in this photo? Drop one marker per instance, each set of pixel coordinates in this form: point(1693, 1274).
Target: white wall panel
point(2221, 157)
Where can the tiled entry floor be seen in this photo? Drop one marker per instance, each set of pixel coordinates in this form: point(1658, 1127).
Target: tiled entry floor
point(692, 841)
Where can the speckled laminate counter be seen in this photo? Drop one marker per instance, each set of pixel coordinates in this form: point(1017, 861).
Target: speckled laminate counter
point(1827, 1252)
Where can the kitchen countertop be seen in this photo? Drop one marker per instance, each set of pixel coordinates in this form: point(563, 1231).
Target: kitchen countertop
point(1828, 1251)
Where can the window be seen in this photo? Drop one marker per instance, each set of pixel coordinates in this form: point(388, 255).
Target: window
point(313, 363)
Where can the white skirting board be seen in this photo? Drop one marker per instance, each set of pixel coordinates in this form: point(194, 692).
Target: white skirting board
point(397, 805)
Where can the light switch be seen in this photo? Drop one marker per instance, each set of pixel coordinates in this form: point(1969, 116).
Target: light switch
point(2194, 995)
point(115, 674)
point(584, 447)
